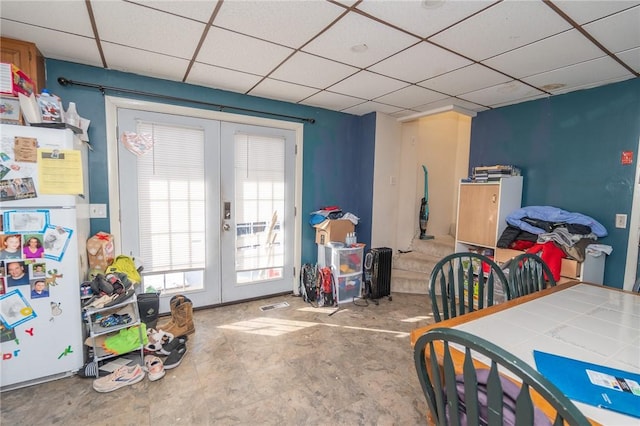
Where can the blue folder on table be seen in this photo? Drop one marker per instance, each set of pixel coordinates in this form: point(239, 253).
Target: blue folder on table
point(592, 384)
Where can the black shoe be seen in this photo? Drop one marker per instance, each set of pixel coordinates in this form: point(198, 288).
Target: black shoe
point(169, 347)
point(175, 357)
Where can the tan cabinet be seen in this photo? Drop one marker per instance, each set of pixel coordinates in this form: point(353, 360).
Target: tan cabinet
point(482, 211)
point(26, 56)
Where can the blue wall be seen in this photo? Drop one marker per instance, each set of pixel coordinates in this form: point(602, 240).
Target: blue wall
point(569, 148)
point(338, 148)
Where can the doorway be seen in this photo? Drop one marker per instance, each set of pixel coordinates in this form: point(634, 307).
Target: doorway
point(209, 209)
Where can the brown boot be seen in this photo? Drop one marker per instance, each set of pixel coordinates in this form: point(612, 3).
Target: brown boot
point(181, 318)
point(170, 323)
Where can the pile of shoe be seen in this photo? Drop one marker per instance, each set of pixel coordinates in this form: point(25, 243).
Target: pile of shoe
point(109, 290)
point(174, 350)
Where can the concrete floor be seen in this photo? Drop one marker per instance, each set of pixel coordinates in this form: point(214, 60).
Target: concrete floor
point(289, 366)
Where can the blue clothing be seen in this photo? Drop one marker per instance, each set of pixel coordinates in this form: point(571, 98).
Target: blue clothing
point(35, 295)
point(20, 281)
point(554, 215)
point(4, 254)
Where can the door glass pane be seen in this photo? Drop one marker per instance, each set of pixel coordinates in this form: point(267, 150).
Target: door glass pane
point(259, 196)
point(171, 207)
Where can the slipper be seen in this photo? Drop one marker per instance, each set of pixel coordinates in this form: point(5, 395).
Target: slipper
point(154, 367)
point(91, 370)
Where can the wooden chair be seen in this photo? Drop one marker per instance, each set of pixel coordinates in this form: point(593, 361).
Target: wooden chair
point(528, 273)
point(448, 285)
point(460, 389)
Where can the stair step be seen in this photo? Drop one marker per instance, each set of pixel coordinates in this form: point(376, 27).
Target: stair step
point(411, 270)
point(440, 246)
point(415, 261)
point(409, 282)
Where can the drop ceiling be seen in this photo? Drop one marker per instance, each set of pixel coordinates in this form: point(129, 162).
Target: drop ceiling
point(402, 58)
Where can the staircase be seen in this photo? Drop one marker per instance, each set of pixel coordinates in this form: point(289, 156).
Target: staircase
point(410, 271)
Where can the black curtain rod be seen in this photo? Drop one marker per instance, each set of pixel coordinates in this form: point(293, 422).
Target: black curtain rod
point(66, 82)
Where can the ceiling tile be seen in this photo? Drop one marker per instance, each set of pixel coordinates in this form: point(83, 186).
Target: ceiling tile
point(334, 101)
point(235, 51)
point(501, 93)
point(583, 12)
point(290, 23)
point(143, 28)
point(463, 80)
point(419, 62)
point(69, 16)
point(626, 34)
point(505, 26)
point(523, 99)
point(410, 96)
point(124, 58)
point(571, 77)
point(302, 68)
point(567, 48)
point(355, 30)
point(55, 44)
point(448, 102)
point(367, 84)
point(367, 107)
point(221, 78)
point(283, 91)
point(631, 57)
point(193, 9)
point(422, 18)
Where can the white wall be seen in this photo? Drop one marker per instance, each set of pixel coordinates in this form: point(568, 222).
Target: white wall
point(441, 143)
point(385, 181)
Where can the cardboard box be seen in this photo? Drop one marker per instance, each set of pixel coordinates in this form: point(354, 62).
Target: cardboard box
point(14, 81)
point(100, 251)
point(333, 230)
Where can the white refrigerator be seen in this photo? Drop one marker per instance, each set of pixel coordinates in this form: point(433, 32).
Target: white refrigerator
point(44, 229)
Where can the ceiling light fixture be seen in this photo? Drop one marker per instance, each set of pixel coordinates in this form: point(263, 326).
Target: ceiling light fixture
point(432, 4)
point(359, 48)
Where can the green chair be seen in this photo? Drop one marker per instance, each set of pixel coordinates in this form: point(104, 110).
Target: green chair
point(528, 273)
point(483, 396)
point(448, 285)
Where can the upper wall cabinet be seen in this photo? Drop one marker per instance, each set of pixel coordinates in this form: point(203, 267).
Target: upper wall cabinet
point(482, 210)
point(26, 56)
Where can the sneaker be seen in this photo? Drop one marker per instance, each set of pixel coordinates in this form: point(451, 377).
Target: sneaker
point(154, 367)
point(167, 348)
point(175, 357)
point(123, 376)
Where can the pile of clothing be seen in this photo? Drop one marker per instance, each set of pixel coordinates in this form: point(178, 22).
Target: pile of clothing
point(555, 233)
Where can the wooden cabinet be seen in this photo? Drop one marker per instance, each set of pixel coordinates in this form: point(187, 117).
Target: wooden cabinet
point(590, 270)
point(26, 56)
point(482, 210)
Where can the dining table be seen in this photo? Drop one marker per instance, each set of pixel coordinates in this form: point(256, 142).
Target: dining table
point(593, 323)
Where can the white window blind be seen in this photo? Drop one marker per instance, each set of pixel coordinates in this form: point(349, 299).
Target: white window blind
point(171, 199)
point(260, 177)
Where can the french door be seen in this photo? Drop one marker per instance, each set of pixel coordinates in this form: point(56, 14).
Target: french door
point(207, 206)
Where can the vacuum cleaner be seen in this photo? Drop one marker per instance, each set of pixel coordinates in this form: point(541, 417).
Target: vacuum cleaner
point(423, 217)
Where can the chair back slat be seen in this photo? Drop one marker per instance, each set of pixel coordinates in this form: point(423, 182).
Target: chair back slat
point(437, 394)
point(524, 407)
point(494, 396)
point(470, 389)
point(449, 373)
point(441, 383)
